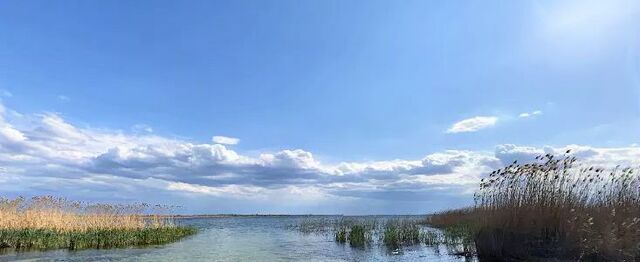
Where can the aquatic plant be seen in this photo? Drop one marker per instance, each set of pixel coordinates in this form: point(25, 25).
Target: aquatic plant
point(46, 222)
point(341, 235)
point(394, 233)
point(355, 231)
point(358, 236)
point(554, 207)
point(27, 239)
point(400, 232)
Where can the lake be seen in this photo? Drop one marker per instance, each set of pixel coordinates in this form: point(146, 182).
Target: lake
point(261, 238)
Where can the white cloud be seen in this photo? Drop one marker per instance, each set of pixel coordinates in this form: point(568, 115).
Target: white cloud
point(473, 124)
point(225, 140)
point(530, 114)
point(57, 157)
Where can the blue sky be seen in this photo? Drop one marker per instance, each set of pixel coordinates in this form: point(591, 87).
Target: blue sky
point(296, 89)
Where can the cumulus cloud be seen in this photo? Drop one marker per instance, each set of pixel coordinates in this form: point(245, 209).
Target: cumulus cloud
point(530, 114)
point(473, 124)
point(225, 140)
point(51, 156)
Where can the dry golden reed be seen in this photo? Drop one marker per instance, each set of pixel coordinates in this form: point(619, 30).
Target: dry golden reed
point(554, 208)
point(60, 214)
point(47, 222)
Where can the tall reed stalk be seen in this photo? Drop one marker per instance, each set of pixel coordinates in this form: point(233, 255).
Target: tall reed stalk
point(556, 207)
point(48, 222)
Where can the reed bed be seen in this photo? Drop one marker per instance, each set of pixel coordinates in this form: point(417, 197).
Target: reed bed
point(554, 208)
point(46, 222)
point(357, 232)
point(392, 233)
point(401, 232)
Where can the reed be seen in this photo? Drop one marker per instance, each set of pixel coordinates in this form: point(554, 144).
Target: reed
point(46, 222)
point(401, 232)
point(392, 233)
point(358, 232)
point(554, 208)
point(358, 236)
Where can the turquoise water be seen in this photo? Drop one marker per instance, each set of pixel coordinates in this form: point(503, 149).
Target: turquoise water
point(246, 239)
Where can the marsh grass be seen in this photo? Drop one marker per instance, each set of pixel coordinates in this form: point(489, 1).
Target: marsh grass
point(392, 233)
point(401, 232)
point(40, 239)
point(358, 236)
point(357, 232)
point(50, 223)
point(553, 208)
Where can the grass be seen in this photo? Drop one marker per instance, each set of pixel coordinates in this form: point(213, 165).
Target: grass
point(555, 208)
point(54, 223)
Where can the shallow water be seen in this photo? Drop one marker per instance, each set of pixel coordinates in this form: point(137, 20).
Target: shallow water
point(246, 239)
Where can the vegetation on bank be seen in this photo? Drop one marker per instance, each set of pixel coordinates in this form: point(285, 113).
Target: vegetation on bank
point(54, 223)
point(553, 208)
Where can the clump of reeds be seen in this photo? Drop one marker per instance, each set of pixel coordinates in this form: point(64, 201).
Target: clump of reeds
point(401, 232)
point(358, 232)
point(557, 208)
point(341, 234)
point(394, 233)
point(358, 236)
point(462, 216)
point(47, 222)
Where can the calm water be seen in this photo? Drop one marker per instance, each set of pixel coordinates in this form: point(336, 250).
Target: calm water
point(245, 239)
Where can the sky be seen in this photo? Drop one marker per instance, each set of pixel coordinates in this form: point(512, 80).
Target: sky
point(298, 107)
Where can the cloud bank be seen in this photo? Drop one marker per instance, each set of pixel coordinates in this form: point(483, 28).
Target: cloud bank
point(44, 154)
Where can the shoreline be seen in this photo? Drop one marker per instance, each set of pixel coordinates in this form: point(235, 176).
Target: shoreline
point(194, 216)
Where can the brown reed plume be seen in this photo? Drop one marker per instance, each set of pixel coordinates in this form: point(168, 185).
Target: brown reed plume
point(557, 207)
point(60, 214)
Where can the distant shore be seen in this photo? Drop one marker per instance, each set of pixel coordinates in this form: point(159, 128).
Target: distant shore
point(193, 216)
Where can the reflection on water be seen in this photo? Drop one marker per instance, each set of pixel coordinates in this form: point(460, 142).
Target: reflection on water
point(246, 239)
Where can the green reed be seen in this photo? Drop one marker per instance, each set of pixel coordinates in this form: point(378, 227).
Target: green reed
point(42, 239)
